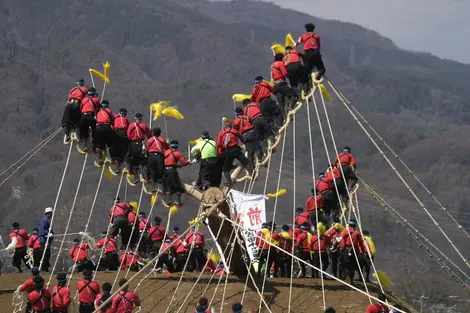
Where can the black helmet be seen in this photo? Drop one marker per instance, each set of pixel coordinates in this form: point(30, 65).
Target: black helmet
point(246, 101)
point(138, 116)
point(92, 89)
point(123, 111)
point(347, 149)
point(278, 57)
point(239, 111)
point(205, 134)
point(80, 81)
point(310, 27)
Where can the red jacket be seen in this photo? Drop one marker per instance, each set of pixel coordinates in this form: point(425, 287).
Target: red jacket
point(346, 159)
point(261, 91)
point(302, 218)
point(79, 252)
point(357, 240)
point(285, 242)
point(90, 104)
point(77, 93)
point(157, 233)
point(40, 300)
point(228, 138)
point(261, 244)
point(377, 308)
point(104, 117)
point(302, 241)
point(179, 247)
point(295, 232)
point(127, 259)
point(157, 144)
point(324, 185)
point(120, 122)
point(33, 242)
point(173, 156)
point(294, 56)
point(120, 209)
point(278, 71)
point(27, 286)
point(193, 236)
point(61, 298)
point(138, 132)
point(109, 244)
point(252, 111)
point(144, 223)
point(21, 237)
point(313, 203)
point(124, 302)
point(324, 242)
point(131, 217)
point(333, 173)
point(242, 124)
point(87, 291)
point(311, 41)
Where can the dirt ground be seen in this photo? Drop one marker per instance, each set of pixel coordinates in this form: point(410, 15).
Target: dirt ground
point(156, 293)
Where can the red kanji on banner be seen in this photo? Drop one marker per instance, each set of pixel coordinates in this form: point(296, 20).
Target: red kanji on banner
point(254, 215)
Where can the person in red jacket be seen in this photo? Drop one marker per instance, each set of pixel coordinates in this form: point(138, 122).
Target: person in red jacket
point(227, 143)
point(121, 143)
point(129, 260)
point(28, 286)
point(251, 137)
point(314, 203)
point(181, 253)
point(104, 132)
point(195, 241)
point(157, 234)
point(156, 147)
point(119, 218)
point(325, 188)
point(79, 255)
point(87, 291)
point(351, 247)
point(33, 243)
point(125, 300)
point(40, 299)
point(166, 258)
point(347, 162)
point(302, 246)
point(340, 191)
point(293, 60)
point(61, 295)
point(173, 187)
point(378, 307)
point(136, 133)
point(145, 244)
point(319, 247)
point(203, 306)
point(252, 111)
point(301, 216)
point(285, 243)
point(109, 259)
point(282, 90)
point(88, 108)
point(262, 93)
point(21, 236)
point(311, 42)
point(102, 297)
point(71, 116)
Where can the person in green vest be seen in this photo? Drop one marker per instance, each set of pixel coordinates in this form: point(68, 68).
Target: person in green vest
point(210, 172)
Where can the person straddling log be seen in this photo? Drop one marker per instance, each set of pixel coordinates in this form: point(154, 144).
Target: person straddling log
point(156, 147)
point(251, 137)
point(302, 247)
point(313, 59)
point(325, 188)
point(195, 241)
point(61, 295)
point(210, 171)
point(110, 259)
point(119, 218)
point(347, 162)
point(125, 300)
point(71, 116)
point(21, 236)
point(301, 217)
point(227, 144)
point(45, 231)
point(40, 298)
point(263, 93)
point(89, 106)
point(173, 186)
point(282, 89)
point(87, 290)
point(104, 132)
point(136, 133)
point(79, 255)
point(298, 76)
point(35, 245)
point(121, 143)
point(252, 111)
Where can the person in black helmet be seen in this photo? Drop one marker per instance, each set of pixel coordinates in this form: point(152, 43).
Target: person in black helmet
point(89, 106)
point(71, 117)
point(136, 133)
point(121, 143)
point(311, 42)
point(282, 90)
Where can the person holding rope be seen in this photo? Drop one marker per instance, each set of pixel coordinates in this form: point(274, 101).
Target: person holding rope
point(110, 259)
point(302, 247)
point(87, 291)
point(45, 232)
point(157, 234)
point(347, 162)
point(104, 132)
point(125, 300)
point(40, 298)
point(263, 93)
point(21, 237)
point(293, 61)
point(102, 297)
point(33, 243)
point(119, 218)
point(282, 89)
point(79, 255)
point(173, 186)
point(166, 259)
point(325, 188)
point(251, 137)
point(252, 111)
point(28, 286)
point(71, 116)
point(314, 206)
point(136, 133)
point(156, 147)
point(89, 106)
point(210, 172)
point(195, 241)
point(121, 143)
point(334, 175)
point(61, 295)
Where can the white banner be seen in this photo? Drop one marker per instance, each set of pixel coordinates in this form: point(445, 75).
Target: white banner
point(250, 212)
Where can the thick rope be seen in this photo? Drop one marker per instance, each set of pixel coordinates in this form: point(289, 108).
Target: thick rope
point(55, 206)
point(347, 104)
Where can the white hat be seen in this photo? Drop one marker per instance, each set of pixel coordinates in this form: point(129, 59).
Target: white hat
point(48, 210)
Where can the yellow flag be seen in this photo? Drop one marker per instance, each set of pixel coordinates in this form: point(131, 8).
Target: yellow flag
point(289, 40)
point(134, 205)
point(278, 48)
point(158, 107)
point(107, 173)
point(100, 75)
point(215, 257)
point(106, 67)
point(195, 142)
point(153, 199)
point(384, 280)
point(239, 97)
point(173, 210)
point(279, 193)
point(226, 121)
point(173, 112)
point(325, 93)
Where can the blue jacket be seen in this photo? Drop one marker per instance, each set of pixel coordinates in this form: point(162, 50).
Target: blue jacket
point(44, 225)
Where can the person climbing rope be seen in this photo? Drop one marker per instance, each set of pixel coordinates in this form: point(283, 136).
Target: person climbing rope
point(156, 147)
point(119, 218)
point(102, 297)
point(334, 175)
point(110, 259)
point(21, 237)
point(369, 253)
point(195, 242)
point(351, 246)
point(121, 142)
point(40, 298)
point(173, 186)
point(252, 111)
point(314, 203)
point(319, 246)
point(302, 247)
point(251, 137)
point(378, 307)
point(293, 60)
point(34, 244)
point(79, 254)
point(45, 231)
point(89, 106)
point(311, 43)
point(87, 290)
point(301, 217)
point(71, 116)
point(263, 93)
point(125, 300)
point(28, 286)
point(136, 133)
point(347, 162)
point(210, 171)
point(282, 89)
point(325, 188)
point(104, 132)
point(61, 295)
point(227, 144)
